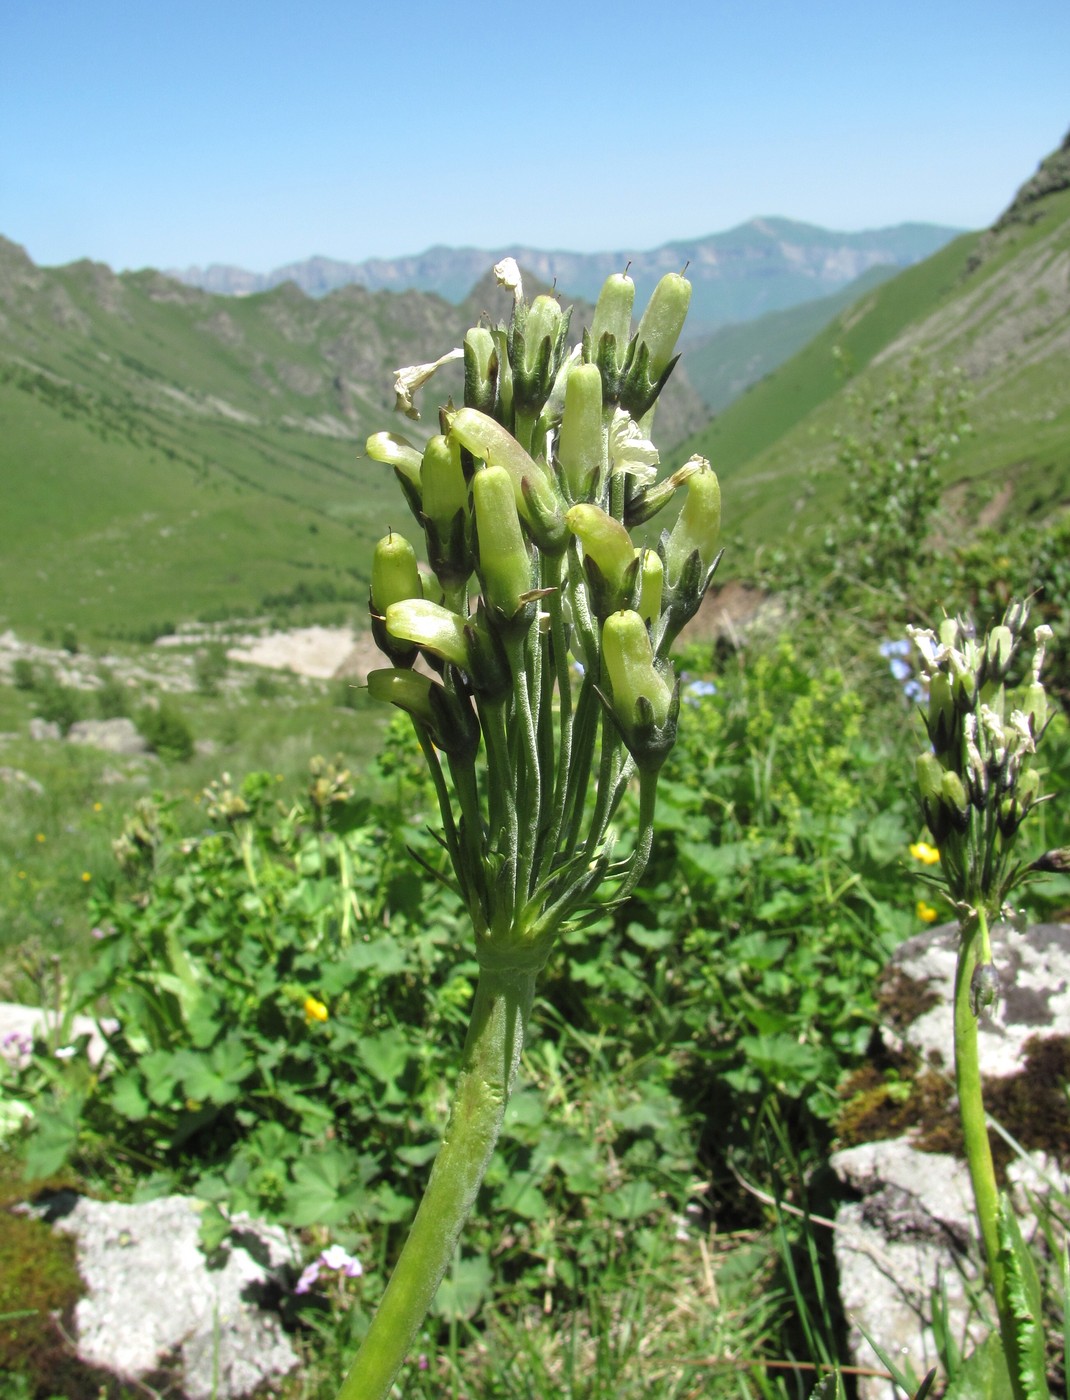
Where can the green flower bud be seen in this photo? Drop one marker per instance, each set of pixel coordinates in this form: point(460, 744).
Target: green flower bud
point(613, 311)
point(1028, 787)
point(395, 572)
point(536, 493)
point(640, 694)
point(607, 547)
point(542, 331)
point(432, 588)
point(998, 650)
point(930, 775)
point(442, 484)
point(697, 527)
point(537, 349)
point(505, 565)
point(431, 627)
point(953, 795)
point(445, 512)
point(663, 320)
point(651, 585)
point(480, 369)
point(940, 721)
point(397, 452)
point(395, 577)
point(581, 445)
point(611, 327)
point(409, 690)
point(1035, 706)
point(644, 704)
point(449, 718)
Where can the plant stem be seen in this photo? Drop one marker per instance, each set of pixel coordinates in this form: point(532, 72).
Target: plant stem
point(488, 1067)
point(975, 1131)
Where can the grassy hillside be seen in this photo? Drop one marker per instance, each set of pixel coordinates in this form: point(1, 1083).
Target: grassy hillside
point(725, 364)
point(996, 305)
point(169, 454)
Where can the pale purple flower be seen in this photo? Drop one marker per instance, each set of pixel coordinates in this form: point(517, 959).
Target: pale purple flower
point(333, 1257)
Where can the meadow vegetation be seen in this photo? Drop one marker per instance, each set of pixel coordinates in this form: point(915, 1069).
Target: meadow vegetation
point(692, 1040)
point(292, 988)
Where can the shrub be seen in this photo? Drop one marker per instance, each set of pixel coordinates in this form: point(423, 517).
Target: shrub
point(112, 697)
point(210, 668)
point(57, 703)
point(23, 675)
point(166, 731)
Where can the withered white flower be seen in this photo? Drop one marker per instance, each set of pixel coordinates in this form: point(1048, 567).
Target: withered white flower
point(629, 450)
point(408, 380)
point(507, 274)
point(1020, 729)
point(932, 651)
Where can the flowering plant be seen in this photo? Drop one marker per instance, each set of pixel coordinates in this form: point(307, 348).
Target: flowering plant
point(545, 690)
point(978, 783)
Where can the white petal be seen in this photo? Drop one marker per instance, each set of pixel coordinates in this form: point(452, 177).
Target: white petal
point(507, 274)
point(410, 378)
point(629, 451)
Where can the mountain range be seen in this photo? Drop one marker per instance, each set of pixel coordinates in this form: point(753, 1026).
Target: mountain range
point(760, 266)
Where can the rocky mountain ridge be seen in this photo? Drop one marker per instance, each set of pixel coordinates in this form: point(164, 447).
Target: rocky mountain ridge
point(763, 265)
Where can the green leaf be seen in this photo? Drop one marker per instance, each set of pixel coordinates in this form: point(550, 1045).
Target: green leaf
point(213, 1229)
point(325, 1188)
point(127, 1098)
point(381, 957)
point(632, 1200)
point(55, 1137)
point(161, 1075)
point(386, 1054)
point(984, 1374)
point(524, 1112)
point(1025, 1304)
point(460, 1295)
point(522, 1197)
point(418, 1155)
point(652, 938)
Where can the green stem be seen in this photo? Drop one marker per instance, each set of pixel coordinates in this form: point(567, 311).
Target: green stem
point(975, 1131)
point(489, 1065)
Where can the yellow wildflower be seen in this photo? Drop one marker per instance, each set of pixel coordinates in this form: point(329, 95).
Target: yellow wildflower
point(925, 912)
point(40, 836)
point(86, 877)
point(921, 850)
point(98, 806)
point(314, 1010)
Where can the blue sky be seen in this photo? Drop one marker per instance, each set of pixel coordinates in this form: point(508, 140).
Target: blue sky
point(262, 133)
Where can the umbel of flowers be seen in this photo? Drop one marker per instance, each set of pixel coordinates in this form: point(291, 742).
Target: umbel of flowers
point(978, 783)
point(545, 690)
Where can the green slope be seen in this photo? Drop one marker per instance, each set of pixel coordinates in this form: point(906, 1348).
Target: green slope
point(996, 305)
point(728, 362)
